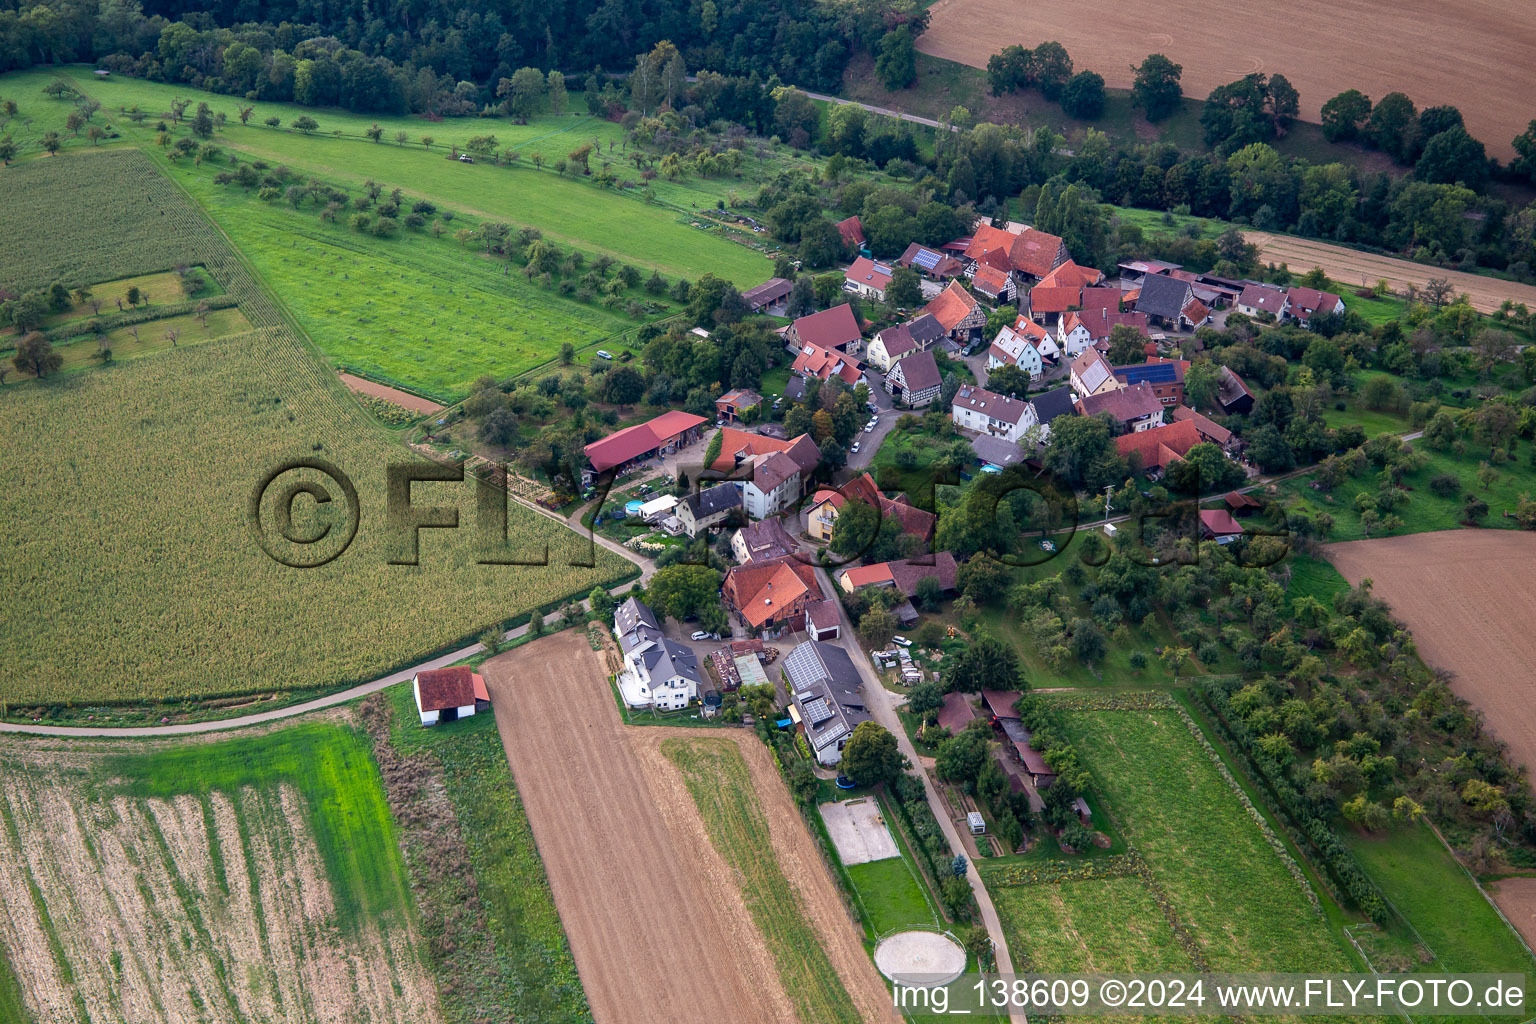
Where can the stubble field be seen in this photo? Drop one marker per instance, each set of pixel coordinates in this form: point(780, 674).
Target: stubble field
point(1467, 596)
point(1473, 54)
point(251, 879)
point(651, 898)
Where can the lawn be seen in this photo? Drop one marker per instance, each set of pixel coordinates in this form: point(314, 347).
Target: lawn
point(82, 352)
point(1201, 843)
point(572, 212)
point(532, 968)
point(890, 895)
point(1313, 577)
point(1414, 871)
point(332, 769)
point(1102, 925)
point(717, 777)
point(143, 582)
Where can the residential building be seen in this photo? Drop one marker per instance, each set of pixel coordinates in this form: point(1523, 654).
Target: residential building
point(1218, 525)
point(1019, 347)
point(993, 284)
point(736, 401)
point(1049, 405)
point(1165, 376)
point(1091, 326)
point(1158, 448)
point(1258, 299)
point(931, 263)
point(958, 312)
point(1302, 304)
point(708, 508)
point(1131, 408)
point(657, 672)
point(867, 278)
point(827, 503)
point(773, 594)
point(446, 694)
point(836, 328)
point(826, 363)
point(737, 447)
point(1167, 302)
point(915, 380)
point(762, 541)
point(660, 435)
point(824, 685)
point(852, 231)
point(1209, 429)
point(1030, 254)
point(822, 515)
point(996, 454)
point(1091, 374)
point(1047, 304)
point(1232, 394)
point(891, 345)
point(775, 485)
point(903, 574)
point(770, 297)
point(995, 415)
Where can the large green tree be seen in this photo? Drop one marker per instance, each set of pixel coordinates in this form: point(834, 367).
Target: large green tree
point(1157, 88)
point(680, 590)
point(986, 664)
point(870, 756)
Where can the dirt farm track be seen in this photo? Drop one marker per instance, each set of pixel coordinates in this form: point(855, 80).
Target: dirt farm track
point(655, 920)
point(1468, 596)
point(1472, 54)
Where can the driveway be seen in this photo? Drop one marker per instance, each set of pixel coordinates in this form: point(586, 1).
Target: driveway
point(882, 707)
point(870, 443)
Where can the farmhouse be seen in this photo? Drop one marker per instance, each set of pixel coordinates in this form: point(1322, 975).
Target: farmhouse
point(988, 413)
point(1165, 376)
point(1131, 408)
point(993, 283)
point(1258, 299)
point(707, 508)
point(1303, 304)
point(761, 542)
point(1091, 326)
point(930, 263)
point(768, 297)
point(826, 363)
point(1019, 347)
point(1046, 304)
point(1070, 275)
point(1217, 524)
point(1158, 448)
point(824, 685)
point(1169, 302)
point(894, 344)
point(446, 694)
point(958, 312)
point(1091, 374)
point(1030, 254)
point(660, 435)
point(1209, 429)
point(778, 478)
point(730, 406)
point(904, 574)
point(825, 505)
point(867, 278)
point(834, 328)
point(773, 594)
point(915, 380)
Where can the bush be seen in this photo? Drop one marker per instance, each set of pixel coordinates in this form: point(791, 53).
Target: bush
point(1445, 485)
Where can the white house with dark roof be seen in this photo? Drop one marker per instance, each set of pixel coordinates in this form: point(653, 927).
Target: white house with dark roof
point(1257, 299)
point(710, 507)
point(1018, 348)
point(989, 413)
point(915, 379)
point(657, 672)
point(824, 688)
point(1048, 405)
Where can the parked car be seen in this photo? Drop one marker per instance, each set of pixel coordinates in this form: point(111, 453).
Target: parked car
point(603, 353)
point(903, 641)
point(699, 634)
point(869, 428)
point(855, 449)
point(465, 158)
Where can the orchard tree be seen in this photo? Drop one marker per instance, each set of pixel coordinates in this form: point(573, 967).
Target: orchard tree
point(305, 123)
point(35, 355)
point(987, 664)
point(520, 93)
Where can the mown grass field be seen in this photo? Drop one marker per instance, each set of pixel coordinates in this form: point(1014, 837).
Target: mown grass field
point(718, 779)
point(1104, 925)
point(1432, 891)
point(207, 880)
point(533, 969)
point(144, 580)
point(890, 894)
point(1201, 845)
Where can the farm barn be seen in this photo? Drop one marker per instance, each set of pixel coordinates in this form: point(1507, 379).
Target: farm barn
point(447, 694)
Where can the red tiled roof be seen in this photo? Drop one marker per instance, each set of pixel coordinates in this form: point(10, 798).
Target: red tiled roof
point(1101, 298)
point(621, 446)
point(735, 442)
point(1052, 300)
point(763, 591)
point(1209, 428)
point(990, 280)
point(1196, 312)
point(866, 271)
point(852, 231)
point(1237, 499)
point(823, 363)
point(990, 239)
point(829, 328)
point(1070, 275)
point(1307, 301)
point(951, 306)
point(957, 712)
point(1160, 445)
point(443, 688)
point(1219, 522)
point(1035, 253)
point(1000, 702)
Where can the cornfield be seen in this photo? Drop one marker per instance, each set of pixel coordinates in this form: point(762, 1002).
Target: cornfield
point(132, 573)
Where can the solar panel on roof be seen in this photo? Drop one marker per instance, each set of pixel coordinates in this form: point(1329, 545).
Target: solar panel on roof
point(817, 711)
point(1160, 373)
point(927, 259)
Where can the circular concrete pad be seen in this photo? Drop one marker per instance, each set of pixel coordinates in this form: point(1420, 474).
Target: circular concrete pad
point(920, 958)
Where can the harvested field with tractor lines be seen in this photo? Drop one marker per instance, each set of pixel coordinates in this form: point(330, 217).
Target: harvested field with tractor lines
point(249, 879)
point(1467, 596)
point(1473, 54)
point(667, 879)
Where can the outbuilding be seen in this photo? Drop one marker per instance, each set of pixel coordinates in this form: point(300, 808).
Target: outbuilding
point(446, 694)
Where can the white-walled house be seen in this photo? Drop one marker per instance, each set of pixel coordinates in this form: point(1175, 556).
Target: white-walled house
point(1016, 348)
point(989, 413)
point(447, 694)
point(657, 672)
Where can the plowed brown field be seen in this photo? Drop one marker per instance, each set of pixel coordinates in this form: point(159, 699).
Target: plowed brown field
point(654, 916)
point(1469, 596)
point(1472, 54)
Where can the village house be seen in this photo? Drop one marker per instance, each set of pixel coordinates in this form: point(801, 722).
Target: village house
point(827, 503)
point(1232, 394)
point(903, 574)
point(447, 694)
point(1303, 304)
point(737, 447)
point(1131, 408)
point(992, 414)
point(1158, 448)
point(852, 232)
point(1090, 327)
point(708, 508)
point(1258, 299)
point(825, 363)
point(1091, 374)
point(930, 263)
point(993, 284)
point(769, 297)
point(762, 541)
point(1171, 303)
point(867, 278)
point(896, 343)
point(771, 595)
point(778, 479)
point(1165, 376)
point(958, 312)
point(835, 328)
point(730, 406)
point(1047, 304)
point(1049, 405)
point(657, 672)
point(1218, 525)
point(1209, 429)
point(660, 435)
point(915, 380)
point(824, 686)
point(1029, 254)
point(1019, 346)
